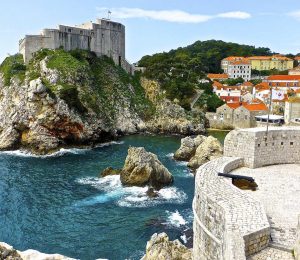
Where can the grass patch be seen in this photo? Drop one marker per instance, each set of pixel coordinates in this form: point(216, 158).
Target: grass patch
point(13, 66)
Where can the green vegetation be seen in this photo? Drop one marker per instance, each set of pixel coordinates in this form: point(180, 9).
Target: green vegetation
point(233, 82)
point(89, 83)
point(13, 66)
point(179, 71)
point(269, 72)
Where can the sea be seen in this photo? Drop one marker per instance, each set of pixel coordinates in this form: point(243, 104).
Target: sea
point(58, 203)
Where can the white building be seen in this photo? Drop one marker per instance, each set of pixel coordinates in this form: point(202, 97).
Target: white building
point(240, 69)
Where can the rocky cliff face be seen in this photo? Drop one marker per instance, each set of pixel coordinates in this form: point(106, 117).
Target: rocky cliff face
point(159, 247)
point(74, 98)
point(9, 253)
point(169, 116)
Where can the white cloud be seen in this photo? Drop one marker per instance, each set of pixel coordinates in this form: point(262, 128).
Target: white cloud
point(235, 15)
point(295, 14)
point(170, 15)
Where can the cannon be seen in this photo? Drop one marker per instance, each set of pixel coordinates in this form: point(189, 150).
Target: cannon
point(240, 181)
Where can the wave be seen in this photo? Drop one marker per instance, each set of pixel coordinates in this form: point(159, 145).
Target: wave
point(179, 219)
point(60, 152)
point(170, 155)
point(112, 189)
point(176, 219)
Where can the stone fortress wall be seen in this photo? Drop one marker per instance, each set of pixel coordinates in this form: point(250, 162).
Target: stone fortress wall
point(280, 145)
point(229, 224)
point(104, 37)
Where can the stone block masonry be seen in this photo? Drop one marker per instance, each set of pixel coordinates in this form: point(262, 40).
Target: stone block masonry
point(228, 223)
point(104, 37)
point(281, 145)
point(297, 245)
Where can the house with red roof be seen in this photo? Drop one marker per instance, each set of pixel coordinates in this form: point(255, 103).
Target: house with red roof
point(236, 115)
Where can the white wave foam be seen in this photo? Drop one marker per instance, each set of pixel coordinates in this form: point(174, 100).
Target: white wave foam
point(176, 219)
point(170, 155)
point(61, 152)
point(108, 144)
point(113, 190)
point(140, 199)
point(182, 163)
point(184, 238)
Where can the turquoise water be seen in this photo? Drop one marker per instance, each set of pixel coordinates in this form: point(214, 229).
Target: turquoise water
point(58, 204)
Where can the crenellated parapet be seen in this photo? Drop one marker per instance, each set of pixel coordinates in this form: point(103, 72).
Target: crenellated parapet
point(280, 145)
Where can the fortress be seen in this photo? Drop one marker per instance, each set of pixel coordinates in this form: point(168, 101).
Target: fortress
point(232, 224)
point(104, 37)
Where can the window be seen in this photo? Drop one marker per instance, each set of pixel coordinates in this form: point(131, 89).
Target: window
point(246, 117)
point(69, 30)
point(291, 143)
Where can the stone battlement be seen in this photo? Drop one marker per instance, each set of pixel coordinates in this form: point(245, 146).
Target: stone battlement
point(281, 145)
point(104, 37)
point(228, 223)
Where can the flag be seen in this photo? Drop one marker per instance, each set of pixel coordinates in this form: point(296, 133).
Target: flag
point(278, 94)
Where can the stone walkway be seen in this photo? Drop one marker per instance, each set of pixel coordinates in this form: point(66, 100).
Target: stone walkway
point(271, 254)
point(279, 191)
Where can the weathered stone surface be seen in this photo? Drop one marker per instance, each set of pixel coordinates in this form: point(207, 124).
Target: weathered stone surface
point(142, 167)
point(109, 171)
point(188, 147)
point(159, 247)
point(169, 116)
point(297, 244)
point(208, 150)
point(9, 253)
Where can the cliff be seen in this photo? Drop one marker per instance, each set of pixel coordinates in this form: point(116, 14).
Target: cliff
point(75, 98)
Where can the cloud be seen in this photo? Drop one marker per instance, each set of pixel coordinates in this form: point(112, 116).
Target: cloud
point(177, 16)
point(295, 14)
point(235, 15)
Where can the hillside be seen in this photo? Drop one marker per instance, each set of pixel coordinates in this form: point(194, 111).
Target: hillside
point(179, 71)
point(75, 98)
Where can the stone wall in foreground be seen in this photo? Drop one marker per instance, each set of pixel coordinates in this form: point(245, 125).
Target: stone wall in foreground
point(228, 223)
point(297, 245)
point(280, 145)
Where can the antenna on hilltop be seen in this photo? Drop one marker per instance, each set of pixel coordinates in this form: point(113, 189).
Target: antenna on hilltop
point(108, 14)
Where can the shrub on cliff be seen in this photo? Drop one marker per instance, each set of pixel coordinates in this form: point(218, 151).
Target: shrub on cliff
point(13, 66)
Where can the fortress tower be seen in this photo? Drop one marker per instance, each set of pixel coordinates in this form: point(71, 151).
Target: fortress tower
point(104, 37)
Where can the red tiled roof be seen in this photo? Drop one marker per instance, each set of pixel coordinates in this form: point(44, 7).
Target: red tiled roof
point(247, 84)
point(234, 105)
point(233, 58)
point(230, 99)
point(238, 62)
point(217, 76)
point(255, 107)
point(217, 84)
point(284, 77)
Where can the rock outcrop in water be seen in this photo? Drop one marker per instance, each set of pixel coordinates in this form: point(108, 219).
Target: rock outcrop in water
point(198, 150)
point(144, 168)
point(109, 171)
point(159, 247)
point(9, 253)
point(74, 98)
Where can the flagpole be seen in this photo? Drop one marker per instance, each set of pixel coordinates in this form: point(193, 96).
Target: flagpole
point(270, 102)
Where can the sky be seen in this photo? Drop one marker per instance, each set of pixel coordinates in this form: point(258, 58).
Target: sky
point(161, 25)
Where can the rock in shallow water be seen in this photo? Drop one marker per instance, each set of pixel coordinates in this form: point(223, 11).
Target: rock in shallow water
point(159, 247)
point(208, 150)
point(109, 171)
point(142, 168)
point(198, 150)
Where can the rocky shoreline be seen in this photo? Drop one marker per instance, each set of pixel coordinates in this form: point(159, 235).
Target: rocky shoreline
point(53, 107)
